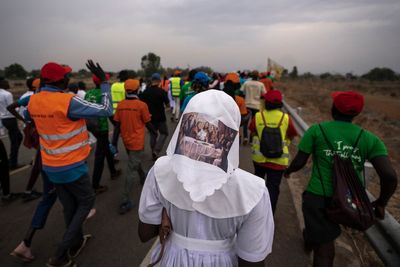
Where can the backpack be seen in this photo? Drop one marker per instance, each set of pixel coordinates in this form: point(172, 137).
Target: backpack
point(271, 145)
point(350, 205)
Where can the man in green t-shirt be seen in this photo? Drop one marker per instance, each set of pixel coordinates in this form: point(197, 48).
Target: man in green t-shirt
point(99, 128)
point(187, 87)
point(320, 233)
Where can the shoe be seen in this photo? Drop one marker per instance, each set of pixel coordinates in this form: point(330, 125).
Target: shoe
point(125, 207)
point(115, 174)
point(9, 198)
point(23, 253)
point(100, 189)
point(74, 252)
point(57, 263)
point(31, 195)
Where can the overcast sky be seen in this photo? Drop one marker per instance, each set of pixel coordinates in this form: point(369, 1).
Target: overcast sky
point(316, 36)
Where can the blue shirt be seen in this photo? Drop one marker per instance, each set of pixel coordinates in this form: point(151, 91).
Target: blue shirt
point(78, 109)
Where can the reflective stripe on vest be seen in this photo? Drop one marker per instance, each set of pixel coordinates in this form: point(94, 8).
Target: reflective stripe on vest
point(64, 149)
point(63, 141)
point(56, 137)
point(272, 118)
point(175, 86)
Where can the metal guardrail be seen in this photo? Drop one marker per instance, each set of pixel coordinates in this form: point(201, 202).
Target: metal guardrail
point(384, 236)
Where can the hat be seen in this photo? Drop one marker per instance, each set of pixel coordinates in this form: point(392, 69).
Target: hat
point(131, 85)
point(348, 102)
point(156, 77)
point(36, 83)
point(54, 72)
point(273, 96)
point(96, 79)
point(202, 78)
point(233, 77)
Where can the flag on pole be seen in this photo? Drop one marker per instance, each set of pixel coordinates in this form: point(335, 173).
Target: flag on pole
point(275, 69)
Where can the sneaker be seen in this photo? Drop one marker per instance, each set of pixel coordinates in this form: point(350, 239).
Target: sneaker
point(9, 198)
point(58, 263)
point(245, 141)
point(125, 207)
point(28, 196)
point(116, 174)
point(23, 253)
point(100, 189)
point(75, 251)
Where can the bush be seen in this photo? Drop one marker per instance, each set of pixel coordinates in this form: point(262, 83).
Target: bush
point(381, 74)
point(15, 71)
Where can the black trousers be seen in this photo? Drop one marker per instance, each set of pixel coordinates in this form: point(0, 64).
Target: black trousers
point(157, 142)
point(272, 180)
point(102, 152)
point(15, 136)
point(77, 198)
point(4, 171)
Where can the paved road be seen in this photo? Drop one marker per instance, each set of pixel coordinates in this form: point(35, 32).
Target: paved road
point(115, 242)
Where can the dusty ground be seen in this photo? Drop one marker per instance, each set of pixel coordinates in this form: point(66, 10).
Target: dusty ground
point(381, 116)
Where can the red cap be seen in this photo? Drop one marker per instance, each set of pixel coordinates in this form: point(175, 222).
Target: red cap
point(54, 72)
point(273, 96)
point(96, 79)
point(348, 102)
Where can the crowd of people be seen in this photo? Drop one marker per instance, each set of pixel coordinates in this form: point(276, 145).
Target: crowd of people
point(217, 213)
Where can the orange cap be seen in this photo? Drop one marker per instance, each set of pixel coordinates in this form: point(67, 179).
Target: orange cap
point(36, 83)
point(233, 77)
point(131, 85)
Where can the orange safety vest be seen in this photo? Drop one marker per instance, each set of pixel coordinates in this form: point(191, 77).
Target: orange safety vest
point(62, 141)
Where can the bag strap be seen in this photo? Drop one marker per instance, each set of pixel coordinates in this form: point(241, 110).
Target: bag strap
point(165, 229)
point(319, 171)
point(280, 122)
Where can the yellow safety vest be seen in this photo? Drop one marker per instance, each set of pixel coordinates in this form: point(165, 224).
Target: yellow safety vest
point(117, 94)
point(175, 86)
point(272, 118)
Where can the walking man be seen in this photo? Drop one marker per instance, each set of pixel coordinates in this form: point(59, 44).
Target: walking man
point(99, 128)
point(271, 169)
point(156, 100)
point(10, 122)
point(320, 233)
point(63, 136)
point(132, 116)
point(176, 84)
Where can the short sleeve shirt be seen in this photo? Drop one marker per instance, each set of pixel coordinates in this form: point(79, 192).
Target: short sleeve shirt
point(253, 231)
point(242, 105)
point(342, 136)
point(156, 100)
point(133, 115)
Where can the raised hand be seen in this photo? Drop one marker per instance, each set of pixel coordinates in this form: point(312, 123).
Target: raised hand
point(96, 70)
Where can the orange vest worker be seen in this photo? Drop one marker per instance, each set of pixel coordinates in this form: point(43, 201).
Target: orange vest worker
point(62, 141)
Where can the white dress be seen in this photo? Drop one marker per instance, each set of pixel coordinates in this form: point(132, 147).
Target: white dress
point(251, 234)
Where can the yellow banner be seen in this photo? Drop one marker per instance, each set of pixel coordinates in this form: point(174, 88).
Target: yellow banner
point(275, 69)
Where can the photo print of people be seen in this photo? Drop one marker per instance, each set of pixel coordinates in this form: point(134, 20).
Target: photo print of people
point(204, 138)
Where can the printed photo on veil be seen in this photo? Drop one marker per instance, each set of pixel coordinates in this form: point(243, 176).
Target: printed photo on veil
point(204, 138)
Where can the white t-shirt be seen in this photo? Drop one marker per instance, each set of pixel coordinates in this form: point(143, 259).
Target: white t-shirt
point(253, 90)
point(6, 99)
point(253, 231)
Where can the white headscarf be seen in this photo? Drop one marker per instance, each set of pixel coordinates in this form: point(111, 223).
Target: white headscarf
point(195, 175)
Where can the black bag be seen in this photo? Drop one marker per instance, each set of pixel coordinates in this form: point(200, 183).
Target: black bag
point(271, 145)
point(350, 205)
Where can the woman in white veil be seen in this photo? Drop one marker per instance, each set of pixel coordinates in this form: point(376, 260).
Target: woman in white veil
point(220, 215)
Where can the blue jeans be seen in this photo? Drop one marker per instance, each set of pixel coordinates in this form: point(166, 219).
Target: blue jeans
point(49, 197)
point(272, 180)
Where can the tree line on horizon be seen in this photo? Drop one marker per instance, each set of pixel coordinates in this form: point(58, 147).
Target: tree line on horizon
point(151, 63)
